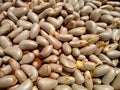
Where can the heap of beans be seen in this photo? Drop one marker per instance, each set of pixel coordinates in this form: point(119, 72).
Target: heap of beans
point(59, 45)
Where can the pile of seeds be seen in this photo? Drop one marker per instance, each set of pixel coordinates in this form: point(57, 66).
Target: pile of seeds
point(59, 45)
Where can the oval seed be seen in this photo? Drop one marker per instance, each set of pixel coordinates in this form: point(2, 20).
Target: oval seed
point(113, 54)
point(25, 24)
point(47, 84)
point(45, 70)
point(20, 75)
point(101, 70)
point(66, 48)
point(5, 42)
point(22, 36)
point(116, 82)
point(63, 87)
point(51, 59)
point(26, 85)
point(109, 77)
point(8, 81)
point(53, 41)
point(77, 31)
point(56, 68)
point(100, 87)
point(46, 51)
point(14, 64)
point(78, 87)
point(42, 41)
point(95, 15)
point(79, 78)
point(34, 31)
point(87, 50)
point(33, 17)
point(91, 27)
point(31, 71)
point(14, 51)
point(28, 45)
point(67, 80)
point(86, 10)
point(107, 19)
point(48, 27)
point(27, 58)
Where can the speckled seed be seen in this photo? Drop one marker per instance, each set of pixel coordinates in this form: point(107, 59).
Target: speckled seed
point(78, 87)
point(95, 15)
point(66, 37)
point(89, 49)
point(103, 87)
point(28, 45)
point(14, 64)
point(46, 51)
point(42, 41)
point(48, 27)
point(90, 38)
point(22, 36)
point(67, 80)
point(78, 43)
point(91, 27)
point(5, 70)
point(79, 78)
point(101, 70)
point(51, 58)
point(53, 41)
point(24, 24)
point(14, 52)
point(45, 70)
point(105, 59)
point(109, 47)
point(109, 77)
point(86, 10)
point(26, 85)
point(27, 58)
point(20, 75)
point(63, 87)
point(19, 12)
point(34, 31)
point(8, 81)
point(15, 32)
point(56, 68)
point(47, 84)
point(5, 42)
point(66, 48)
point(113, 54)
point(33, 17)
point(31, 71)
point(88, 80)
point(77, 31)
point(107, 19)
